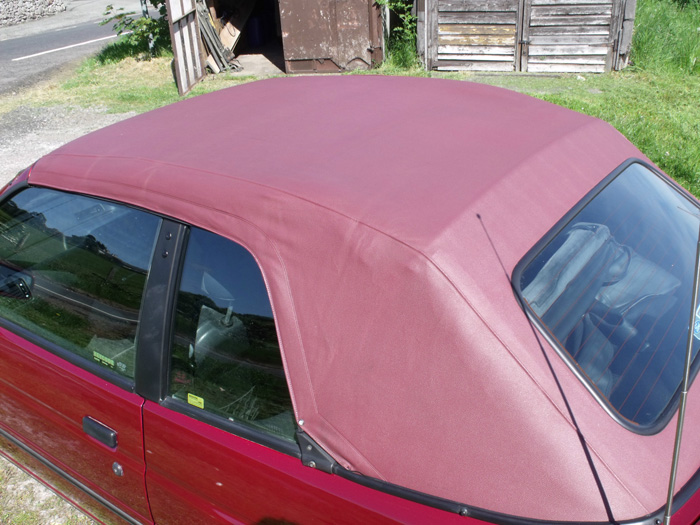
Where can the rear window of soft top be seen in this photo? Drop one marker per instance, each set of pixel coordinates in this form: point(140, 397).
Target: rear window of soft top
point(611, 288)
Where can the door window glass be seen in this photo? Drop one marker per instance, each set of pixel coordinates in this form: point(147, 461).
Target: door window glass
point(226, 358)
point(73, 270)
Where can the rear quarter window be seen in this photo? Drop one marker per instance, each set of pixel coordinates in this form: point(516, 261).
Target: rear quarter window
point(226, 358)
point(611, 288)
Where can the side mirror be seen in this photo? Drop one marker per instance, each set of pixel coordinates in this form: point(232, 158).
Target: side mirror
point(15, 284)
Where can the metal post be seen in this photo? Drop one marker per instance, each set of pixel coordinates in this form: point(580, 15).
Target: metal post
point(684, 387)
point(144, 12)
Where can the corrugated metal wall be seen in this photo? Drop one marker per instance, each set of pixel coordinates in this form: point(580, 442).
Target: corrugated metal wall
point(331, 35)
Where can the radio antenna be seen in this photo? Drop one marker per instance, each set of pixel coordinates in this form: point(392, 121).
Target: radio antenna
point(569, 409)
point(684, 386)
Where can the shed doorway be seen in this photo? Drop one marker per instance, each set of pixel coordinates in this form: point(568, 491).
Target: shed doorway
point(297, 36)
point(249, 27)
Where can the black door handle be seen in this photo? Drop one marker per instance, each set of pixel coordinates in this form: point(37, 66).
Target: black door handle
point(100, 432)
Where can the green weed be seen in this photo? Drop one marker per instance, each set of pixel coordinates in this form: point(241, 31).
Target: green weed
point(401, 48)
point(667, 36)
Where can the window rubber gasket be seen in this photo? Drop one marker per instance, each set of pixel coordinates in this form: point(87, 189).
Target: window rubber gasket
point(239, 430)
point(667, 413)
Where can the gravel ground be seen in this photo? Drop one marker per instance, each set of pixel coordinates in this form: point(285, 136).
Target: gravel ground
point(25, 501)
point(17, 11)
point(28, 133)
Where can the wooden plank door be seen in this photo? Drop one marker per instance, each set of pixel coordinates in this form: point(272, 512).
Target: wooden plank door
point(184, 32)
point(568, 36)
point(473, 35)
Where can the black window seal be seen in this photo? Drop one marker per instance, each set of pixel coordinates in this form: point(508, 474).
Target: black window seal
point(157, 307)
point(401, 492)
point(155, 382)
point(81, 362)
point(660, 423)
point(158, 383)
point(153, 346)
point(13, 187)
point(491, 516)
point(157, 311)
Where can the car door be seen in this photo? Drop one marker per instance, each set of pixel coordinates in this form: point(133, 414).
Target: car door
point(73, 270)
point(221, 440)
point(224, 381)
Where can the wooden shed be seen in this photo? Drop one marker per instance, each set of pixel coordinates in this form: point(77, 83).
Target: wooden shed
point(314, 36)
point(555, 36)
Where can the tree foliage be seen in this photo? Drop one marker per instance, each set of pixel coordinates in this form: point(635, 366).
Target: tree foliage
point(143, 34)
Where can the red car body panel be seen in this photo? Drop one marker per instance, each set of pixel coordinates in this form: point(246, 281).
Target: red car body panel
point(406, 354)
point(689, 512)
point(44, 402)
point(47, 476)
point(240, 475)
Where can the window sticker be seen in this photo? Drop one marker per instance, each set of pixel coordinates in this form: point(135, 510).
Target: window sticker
point(696, 327)
point(103, 360)
point(195, 401)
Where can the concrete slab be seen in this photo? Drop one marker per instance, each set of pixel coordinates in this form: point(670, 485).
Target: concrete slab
point(265, 62)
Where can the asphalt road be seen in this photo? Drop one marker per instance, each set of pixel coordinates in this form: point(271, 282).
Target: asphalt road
point(32, 51)
point(27, 133)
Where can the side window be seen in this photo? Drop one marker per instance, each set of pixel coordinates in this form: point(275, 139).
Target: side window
point(226, 358)
point(73, 270)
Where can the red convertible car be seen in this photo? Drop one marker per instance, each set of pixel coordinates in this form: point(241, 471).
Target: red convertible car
point(353, 300)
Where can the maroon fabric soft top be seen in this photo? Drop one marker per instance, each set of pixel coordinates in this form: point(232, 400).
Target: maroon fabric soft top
point(382, 212)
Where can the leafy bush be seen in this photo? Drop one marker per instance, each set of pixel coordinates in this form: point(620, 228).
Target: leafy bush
point(667, 36)
point(141, 35)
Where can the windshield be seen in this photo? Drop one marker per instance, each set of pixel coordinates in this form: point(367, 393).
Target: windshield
point(612, 288)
